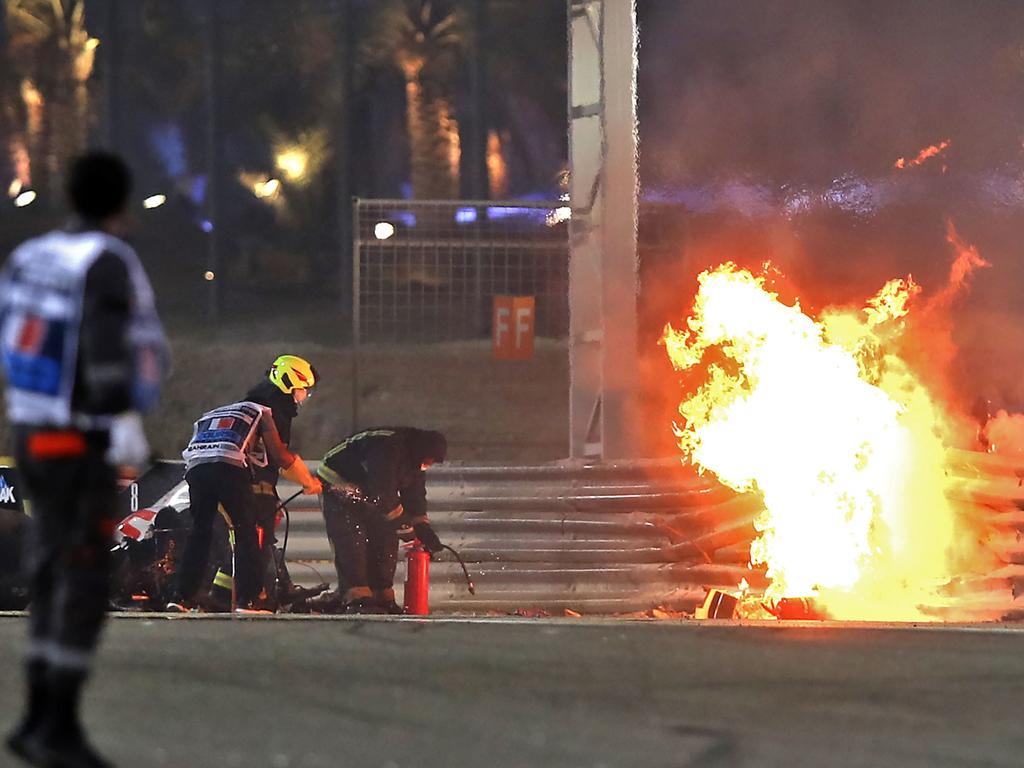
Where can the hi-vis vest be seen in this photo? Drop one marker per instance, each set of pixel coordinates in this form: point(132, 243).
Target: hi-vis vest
point(228, 434)
point(42, 294)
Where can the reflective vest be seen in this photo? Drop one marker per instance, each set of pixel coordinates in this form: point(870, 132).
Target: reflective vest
point(42, 294)
point(228, 434)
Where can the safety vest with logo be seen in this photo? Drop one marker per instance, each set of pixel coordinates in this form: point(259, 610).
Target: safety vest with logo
point(42, 295)
point(228, 434)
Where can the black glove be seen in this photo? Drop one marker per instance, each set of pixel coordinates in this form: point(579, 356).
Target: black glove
point(428, 538)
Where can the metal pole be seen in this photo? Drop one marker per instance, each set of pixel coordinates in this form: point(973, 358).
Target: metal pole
point(478, 186)
point(342, 144)
point(619, 264)
point(110, 50)
point(603, 267)
point(214, 71)
point(356, 311)
point(585, 104)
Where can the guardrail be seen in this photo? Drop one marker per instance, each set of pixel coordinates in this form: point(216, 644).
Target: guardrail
point(626, 537)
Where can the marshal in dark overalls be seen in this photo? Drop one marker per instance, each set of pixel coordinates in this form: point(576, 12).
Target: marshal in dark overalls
point(387, 465)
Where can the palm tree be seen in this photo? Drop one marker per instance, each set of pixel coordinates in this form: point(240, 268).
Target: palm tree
point(52, 55)
point(424, 40)
point(11, 115)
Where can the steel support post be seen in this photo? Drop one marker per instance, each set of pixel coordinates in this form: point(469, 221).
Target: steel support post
point(603, 267)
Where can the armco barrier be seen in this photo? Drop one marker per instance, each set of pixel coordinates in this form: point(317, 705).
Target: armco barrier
point(624, 537)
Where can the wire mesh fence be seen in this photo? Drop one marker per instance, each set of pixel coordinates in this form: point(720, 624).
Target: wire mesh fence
point(429, 270)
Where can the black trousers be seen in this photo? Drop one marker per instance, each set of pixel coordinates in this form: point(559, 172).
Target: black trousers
point(365, 547)
point(72, 491)
point(210, 485)
point(265, 504)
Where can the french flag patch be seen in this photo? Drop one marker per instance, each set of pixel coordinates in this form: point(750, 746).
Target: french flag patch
point(31, 335)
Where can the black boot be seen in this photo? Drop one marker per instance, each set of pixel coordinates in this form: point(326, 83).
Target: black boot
point(59, 741)
point(385, 600)
point(36, 673)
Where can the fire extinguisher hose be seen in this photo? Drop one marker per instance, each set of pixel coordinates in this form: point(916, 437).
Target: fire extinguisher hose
point(283, 506)
point(469, 582)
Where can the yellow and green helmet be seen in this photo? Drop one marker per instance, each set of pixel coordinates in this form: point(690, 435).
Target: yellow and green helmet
point(290, 372)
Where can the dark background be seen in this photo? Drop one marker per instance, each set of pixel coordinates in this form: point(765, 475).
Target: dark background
point(769, 130)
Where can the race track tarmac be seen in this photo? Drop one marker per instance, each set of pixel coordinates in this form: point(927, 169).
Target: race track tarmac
point(519, 692)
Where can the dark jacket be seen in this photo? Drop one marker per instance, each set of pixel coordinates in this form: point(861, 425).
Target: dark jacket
point(103, 380)
point(385, 462)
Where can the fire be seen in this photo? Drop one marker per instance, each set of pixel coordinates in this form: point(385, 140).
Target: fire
point(924, 154)
point(843, 441)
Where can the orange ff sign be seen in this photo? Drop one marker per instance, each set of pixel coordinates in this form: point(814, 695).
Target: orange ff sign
point(512, 327)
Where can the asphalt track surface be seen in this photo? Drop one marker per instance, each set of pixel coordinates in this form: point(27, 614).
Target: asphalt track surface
point(375, 693)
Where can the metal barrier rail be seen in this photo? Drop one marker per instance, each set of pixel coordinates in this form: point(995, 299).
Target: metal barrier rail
point(627, 537)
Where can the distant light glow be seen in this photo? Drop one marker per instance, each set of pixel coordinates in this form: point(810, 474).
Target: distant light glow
point(206, 225)
point(154, 201)
point(267, 189)
point(208, 275)
point(465, 215)
point(516, 212)
point(25, 198)
point(14, 189)
point(382, 230)
point(168, 144)
point(293, 162)
point(558, 215)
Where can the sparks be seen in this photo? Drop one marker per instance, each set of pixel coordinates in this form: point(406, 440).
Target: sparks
point(923, 155)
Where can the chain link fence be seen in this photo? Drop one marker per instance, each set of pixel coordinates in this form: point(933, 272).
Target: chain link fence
point(428, 270)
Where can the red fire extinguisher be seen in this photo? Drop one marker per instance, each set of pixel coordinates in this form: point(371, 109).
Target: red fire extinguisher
point(417, 580)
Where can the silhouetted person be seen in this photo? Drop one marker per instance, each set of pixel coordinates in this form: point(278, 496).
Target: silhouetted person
point(83, 353)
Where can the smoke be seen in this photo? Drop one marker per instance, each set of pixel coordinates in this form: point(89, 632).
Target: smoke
point(772, 131)
point(804, 90)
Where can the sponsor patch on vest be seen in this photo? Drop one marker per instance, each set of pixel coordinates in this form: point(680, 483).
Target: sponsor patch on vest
point(10, 498)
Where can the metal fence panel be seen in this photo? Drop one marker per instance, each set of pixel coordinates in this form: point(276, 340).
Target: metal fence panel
point(428, 270)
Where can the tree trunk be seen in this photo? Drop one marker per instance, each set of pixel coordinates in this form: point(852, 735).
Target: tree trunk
point(8, 108)
point(433, 141)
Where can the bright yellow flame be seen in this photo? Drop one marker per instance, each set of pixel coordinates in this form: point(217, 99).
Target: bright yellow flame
point(836, 433)
point(293, 162)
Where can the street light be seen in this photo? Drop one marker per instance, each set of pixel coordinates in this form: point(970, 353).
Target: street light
point(267, 189)
point(383, 230)
point(154, 201)
point(293, 162)
point(25, 198)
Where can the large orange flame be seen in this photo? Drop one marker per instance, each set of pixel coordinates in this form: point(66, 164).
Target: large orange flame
point(842, 439)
